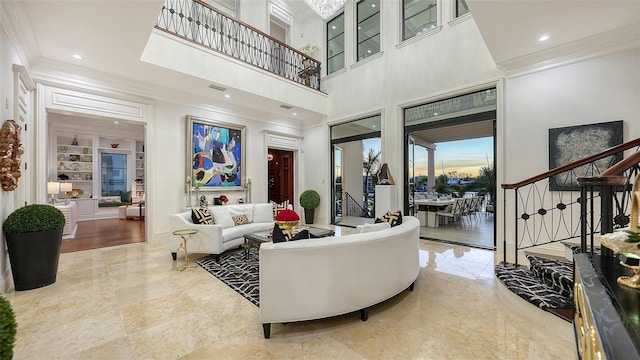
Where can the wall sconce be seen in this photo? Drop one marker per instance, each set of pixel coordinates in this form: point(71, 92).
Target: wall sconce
point(53, 188)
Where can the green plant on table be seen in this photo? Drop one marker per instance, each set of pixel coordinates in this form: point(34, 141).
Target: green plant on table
point(633, 237)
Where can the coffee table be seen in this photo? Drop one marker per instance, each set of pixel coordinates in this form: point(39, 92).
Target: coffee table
point(254, 240)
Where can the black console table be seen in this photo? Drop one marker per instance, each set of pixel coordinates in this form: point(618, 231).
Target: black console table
point(606, 315)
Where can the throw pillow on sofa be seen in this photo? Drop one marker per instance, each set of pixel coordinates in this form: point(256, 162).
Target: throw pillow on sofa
point(240, 219)
point(393, 218)
point(279, 234)
point(201, 216)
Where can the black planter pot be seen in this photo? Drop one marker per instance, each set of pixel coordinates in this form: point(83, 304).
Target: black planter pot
point(34, 258)
point(309, 216)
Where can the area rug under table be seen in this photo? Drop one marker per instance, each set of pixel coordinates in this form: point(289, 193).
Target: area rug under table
point(236, 272)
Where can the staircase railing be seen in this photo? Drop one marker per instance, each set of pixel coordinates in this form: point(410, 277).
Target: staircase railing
point(196, 21)
point(351, 207)
point(547, 209)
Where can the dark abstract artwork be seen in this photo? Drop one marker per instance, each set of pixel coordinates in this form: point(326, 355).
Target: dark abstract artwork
point(569, 144)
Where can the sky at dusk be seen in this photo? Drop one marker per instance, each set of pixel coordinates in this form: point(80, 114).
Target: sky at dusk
point(464, 156)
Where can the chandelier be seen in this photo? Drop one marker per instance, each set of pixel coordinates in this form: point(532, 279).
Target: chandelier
point(325, 8)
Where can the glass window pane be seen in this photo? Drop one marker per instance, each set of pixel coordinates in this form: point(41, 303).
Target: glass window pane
point(418, 16)
point(335, 44)
point(461, 7)
point(368, 28)
point(113, 174)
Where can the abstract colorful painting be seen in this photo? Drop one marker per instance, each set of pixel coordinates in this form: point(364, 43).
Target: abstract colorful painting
point(216, 154)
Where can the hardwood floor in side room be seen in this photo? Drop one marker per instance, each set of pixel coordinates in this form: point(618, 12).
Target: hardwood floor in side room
point(93, 234)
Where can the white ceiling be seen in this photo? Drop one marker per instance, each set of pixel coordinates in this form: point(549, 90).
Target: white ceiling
point(111, 35)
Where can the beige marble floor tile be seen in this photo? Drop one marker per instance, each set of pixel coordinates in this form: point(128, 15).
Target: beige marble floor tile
point(130, 302)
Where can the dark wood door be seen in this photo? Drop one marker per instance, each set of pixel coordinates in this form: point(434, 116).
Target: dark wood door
point(280, 176)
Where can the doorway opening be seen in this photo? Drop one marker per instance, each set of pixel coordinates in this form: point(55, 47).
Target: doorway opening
point(450, 168)
point(280, 176)
point(356, 159)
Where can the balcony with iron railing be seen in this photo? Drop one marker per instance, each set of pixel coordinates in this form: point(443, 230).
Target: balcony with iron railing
point(199, 23)
point(571, 202)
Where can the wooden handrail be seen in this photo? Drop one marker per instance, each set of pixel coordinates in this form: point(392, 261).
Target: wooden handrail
point(622, 166)
point(611, 151)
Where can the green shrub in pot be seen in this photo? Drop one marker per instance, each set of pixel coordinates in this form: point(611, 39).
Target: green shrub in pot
point(34, 235)
point(309, 200)
point(33, 218)
point(8, 329)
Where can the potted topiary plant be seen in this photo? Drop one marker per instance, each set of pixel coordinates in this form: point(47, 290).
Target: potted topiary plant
point(34, 235)
point(309, 200)
point(7, 329)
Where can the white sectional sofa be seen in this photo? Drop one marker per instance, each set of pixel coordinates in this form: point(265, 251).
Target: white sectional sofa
point(317, 278)
point(223, 235)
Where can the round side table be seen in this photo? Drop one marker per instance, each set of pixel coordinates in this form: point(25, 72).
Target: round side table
point(185, 235)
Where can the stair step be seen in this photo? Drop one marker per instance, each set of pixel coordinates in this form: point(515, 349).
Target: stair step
point(524, 283)
point(555, 273)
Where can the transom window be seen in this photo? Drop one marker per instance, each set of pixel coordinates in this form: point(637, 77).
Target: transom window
point(335, 44)
point(228, 7)
point(368, 28)
point(418, 16)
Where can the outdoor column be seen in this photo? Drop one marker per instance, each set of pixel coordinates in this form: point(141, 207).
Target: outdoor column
point(432, 168)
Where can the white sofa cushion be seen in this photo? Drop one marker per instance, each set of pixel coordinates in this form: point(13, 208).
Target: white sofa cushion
point(221, 216)
point(365, 228)
point(262, 213)
point(246, 209)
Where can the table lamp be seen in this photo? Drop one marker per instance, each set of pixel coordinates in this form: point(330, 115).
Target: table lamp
point(53, 188)
point(66, 188)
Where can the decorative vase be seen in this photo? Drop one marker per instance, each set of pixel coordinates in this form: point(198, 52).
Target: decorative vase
point(288, 225)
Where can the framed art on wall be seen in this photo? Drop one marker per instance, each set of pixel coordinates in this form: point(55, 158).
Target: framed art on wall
point(215, 154)
point(573, 143)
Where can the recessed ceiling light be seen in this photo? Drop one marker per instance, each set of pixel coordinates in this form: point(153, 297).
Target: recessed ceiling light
point(227, 96)
point(333, 27)
point(77, 56)
point(295, 114)
point(116, 122)
point(373, 5)
point(435, 114)
point(543, 38)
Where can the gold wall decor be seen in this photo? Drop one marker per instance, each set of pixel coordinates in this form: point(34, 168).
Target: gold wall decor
point(10, 152)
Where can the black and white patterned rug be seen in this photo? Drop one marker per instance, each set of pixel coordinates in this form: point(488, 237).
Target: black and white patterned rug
point(236, 272)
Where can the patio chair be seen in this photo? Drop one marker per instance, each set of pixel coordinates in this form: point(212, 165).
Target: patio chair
point(455, 214)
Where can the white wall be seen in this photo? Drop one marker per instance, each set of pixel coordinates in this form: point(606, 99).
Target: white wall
point(413, 72)
point(9, 199)
point(315, 168)
point(167, 187)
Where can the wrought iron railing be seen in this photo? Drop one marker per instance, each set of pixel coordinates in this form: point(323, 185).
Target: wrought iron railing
point(196, 21)
point(351, 207)
point(547, 207)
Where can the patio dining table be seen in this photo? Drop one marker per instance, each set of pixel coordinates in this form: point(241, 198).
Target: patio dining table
point(429, 209)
